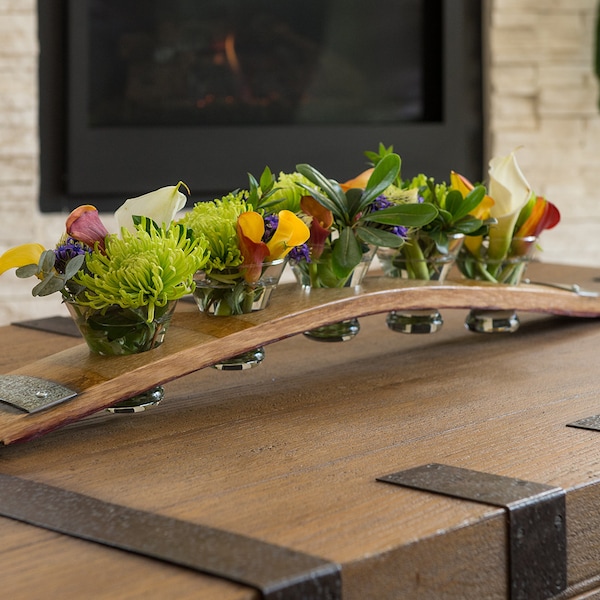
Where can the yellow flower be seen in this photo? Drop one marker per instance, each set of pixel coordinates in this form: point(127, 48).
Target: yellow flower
point(20, 256)
point(291, 232)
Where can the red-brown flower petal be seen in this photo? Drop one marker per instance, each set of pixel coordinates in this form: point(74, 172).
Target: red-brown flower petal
point(250, 230)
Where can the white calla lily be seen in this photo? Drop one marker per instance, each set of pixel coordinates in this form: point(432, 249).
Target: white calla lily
point(160, 205)
point(510, 191)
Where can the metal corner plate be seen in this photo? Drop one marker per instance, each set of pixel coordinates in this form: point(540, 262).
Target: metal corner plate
point(32, 394)
point(592, 423)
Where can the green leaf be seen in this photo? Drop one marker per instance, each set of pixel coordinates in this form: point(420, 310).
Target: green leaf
point(147, 223)
point(483, 230)
point(74, 265)
point(383, 176)
point(47, 260)
point(379, 237)
point(26, 271)
point(331, 188)
point(353, 198)
point(445, 216)
point(258, 193)
point(382, 151)
point(453, 202)
point(468, 225)
point(347, 253)
point(460, 207)
point(407, 215)
point(266, 180)
point(48, 285)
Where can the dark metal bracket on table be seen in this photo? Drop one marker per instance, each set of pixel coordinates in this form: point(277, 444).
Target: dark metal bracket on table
point(537, 527)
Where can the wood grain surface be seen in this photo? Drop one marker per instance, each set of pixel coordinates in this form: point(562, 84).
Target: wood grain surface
point(289, 453)
point(195, 340)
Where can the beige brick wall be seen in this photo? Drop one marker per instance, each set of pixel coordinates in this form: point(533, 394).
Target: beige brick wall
point(542, 97)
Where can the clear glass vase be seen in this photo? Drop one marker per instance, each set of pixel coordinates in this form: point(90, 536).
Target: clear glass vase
point(116, 331)
point(318, 273)
point(225, 293)
point(228, 292)
point(422, 259)
point(508, 271)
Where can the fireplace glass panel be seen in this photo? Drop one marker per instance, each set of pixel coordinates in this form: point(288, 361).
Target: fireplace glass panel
point(258, 62)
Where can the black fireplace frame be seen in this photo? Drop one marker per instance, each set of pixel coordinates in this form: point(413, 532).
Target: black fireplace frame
point(97, 167)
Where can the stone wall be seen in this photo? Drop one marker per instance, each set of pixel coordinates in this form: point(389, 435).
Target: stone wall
point(541, 96)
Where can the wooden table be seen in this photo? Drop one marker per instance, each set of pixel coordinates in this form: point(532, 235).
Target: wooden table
point(290, 452)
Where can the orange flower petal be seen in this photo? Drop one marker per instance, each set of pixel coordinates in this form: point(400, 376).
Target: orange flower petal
point(544, 215)
point(322, 219)
point(360, 181)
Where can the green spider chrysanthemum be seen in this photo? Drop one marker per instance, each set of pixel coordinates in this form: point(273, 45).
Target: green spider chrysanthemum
point(215, 222)
point(147, 268)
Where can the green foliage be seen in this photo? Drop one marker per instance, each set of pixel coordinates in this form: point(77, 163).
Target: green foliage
point(453, 211)
point(356, 225)
point(51, 281)
point(382, 152)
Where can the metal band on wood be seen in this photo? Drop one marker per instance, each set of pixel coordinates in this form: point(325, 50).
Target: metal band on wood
point(536, 519)
point(277, 572)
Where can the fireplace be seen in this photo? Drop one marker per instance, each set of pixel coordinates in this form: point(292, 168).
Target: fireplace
point(136, 94)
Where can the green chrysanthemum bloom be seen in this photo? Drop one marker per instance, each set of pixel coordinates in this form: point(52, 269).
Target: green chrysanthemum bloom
point(215, 222)
point(141, 269)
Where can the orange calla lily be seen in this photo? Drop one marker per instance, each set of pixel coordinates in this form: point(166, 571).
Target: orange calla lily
point(544, 215)
point(360, 181)
point(84, 225)
point(291, 231)
point(250, 230)
point(322, 220)
point(20, 256)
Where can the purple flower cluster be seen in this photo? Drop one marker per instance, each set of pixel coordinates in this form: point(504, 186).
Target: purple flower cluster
point(271, 223)
point(66, 251)
point(300, 253)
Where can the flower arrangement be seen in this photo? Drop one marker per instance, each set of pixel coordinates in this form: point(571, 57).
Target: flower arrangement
point(121, 288)
point(519, 217)
point(428, 251)
point(247, 245)
point(347, 220)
